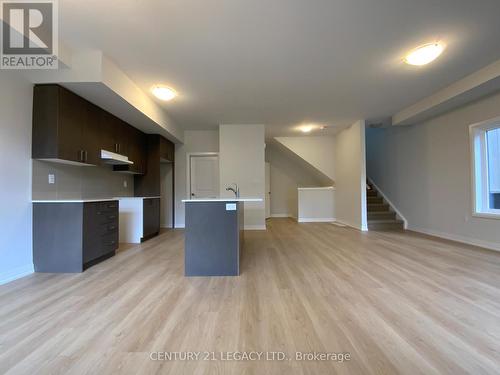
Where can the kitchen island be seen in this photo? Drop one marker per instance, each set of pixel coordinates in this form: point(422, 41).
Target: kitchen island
point(214, 236)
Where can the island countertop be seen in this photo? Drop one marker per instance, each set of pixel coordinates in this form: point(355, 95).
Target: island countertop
point(91, 200)
point(223, 200)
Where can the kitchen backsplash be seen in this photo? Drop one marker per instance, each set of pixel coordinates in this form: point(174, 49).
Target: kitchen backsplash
point(74, 182)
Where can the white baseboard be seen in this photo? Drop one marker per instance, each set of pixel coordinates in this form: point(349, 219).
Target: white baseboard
point(316, 219)
point(351, 225)
point(398, 213)
point(247, 227)
point(255, 227)
point(16, 273)
point(453, 237)
point(281, 215)
point(166, 226)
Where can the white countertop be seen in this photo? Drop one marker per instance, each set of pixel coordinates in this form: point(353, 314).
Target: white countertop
point(86, 200)
point(223, 200)
point(137, 197)
point(317, 188)
point(73, 200)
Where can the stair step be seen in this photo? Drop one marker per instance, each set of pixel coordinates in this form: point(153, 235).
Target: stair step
point(371, 193)
point(385, 225)
point(374, 215)
point(377, 207)
point(374, 200)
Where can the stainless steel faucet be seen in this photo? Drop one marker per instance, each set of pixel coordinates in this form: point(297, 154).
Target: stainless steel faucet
point(235, 189)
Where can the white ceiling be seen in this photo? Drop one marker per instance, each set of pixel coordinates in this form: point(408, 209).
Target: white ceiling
point(283, 62)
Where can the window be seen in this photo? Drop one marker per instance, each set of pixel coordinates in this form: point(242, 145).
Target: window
point(485, 148)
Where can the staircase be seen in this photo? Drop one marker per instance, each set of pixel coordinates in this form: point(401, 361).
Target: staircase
point(380, 216)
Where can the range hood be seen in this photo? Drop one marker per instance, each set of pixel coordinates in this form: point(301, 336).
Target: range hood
point(112, 158)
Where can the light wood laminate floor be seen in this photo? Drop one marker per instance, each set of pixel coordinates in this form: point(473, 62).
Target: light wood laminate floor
point(397, 302)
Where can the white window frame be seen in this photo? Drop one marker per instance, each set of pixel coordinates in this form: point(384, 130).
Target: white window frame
point(479, 167)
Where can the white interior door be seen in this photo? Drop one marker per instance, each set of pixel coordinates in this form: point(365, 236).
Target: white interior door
point(204, 176)
point(268, 190)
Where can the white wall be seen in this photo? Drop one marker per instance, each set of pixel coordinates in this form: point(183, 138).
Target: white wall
point(194, 141)
point(316, 204)
point(241, 161)
point(350, 181)
point(287, 174)
point(317, 151)
point(284, 196)
point(425, 170)
point(16, 257)
point(75, 182)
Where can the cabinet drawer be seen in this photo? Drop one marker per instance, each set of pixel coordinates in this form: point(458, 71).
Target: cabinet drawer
point(106, 213)
point(110, 240)
point(110, 206)
point(99, 246)
point(106, 228)
point(103, 218)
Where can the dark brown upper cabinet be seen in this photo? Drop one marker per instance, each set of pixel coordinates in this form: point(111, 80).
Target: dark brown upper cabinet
point(92, 135)
point(167, 150)
point(65, 126)
point(115, 133)
point(68, 128)
point(136, 150)
point(59, 122)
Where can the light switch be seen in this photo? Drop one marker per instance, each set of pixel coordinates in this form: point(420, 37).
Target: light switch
point(230, 206)
point(52, 178)
point(125, 183)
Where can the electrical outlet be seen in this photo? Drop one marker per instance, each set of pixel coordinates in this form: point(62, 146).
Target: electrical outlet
point(52, 178)
point(125, 183)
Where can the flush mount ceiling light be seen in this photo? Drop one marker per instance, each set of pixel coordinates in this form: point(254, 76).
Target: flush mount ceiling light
point(425, 54)
point(306, 128)
point(164, 93)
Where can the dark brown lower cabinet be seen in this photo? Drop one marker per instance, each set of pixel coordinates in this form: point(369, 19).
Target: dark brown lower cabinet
point(72, 236)
point(151, 218)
